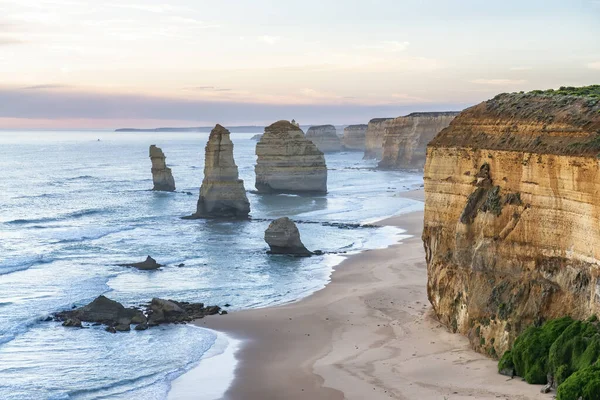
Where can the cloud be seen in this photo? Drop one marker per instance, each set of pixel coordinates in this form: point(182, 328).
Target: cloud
point(594, 65)
point(499, 82)
point(46, 86)
point(389, 46)
point(205, 89)
point(270, 40)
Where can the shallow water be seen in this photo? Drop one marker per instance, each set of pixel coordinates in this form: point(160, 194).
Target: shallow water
point(73, 207)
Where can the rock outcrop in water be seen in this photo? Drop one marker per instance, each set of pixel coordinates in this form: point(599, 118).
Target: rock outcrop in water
point(374, 138)
point(161, 174)
point(222, 194)
point(355, 137)
point(283, 237)
point(406, 138)
point(288, 162)
point(325, 138)
point(512, 234)
point(148, 265)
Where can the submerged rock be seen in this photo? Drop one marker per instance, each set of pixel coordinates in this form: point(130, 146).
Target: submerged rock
point(355, 137)
point(161, 174)
point(147, 265)
point(288, 162)
point(222, 194)
point(283, 237)
point(325, 138)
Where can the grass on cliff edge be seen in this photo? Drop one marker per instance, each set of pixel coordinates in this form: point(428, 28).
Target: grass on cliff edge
point(568, 350)
point(592, 91)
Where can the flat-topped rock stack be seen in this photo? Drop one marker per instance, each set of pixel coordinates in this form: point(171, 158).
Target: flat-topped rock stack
point(325, 138)
point(288, 162)
point(355, 137)
point(222, 194)
point(374, 138)
point(406, 138)
point(161, 175)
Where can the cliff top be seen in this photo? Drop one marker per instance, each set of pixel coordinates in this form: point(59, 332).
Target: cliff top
point(563, 121)
point(376, 120)
point(357, 126)
point(434, 114)
point(319, 127)
point(282, 125)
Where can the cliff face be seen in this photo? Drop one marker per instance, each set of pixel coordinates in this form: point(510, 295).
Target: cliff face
point(325, 138)
point(222, 194)
point(374, 138)
point(161, 175)
point(406, 138)
point(355, 137)
point(288, 162)
point(512, 228)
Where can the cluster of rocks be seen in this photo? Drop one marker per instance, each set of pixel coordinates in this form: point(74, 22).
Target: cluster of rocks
point(162, 176)
point(117, 318)
point(288, 162)
point(325, 138)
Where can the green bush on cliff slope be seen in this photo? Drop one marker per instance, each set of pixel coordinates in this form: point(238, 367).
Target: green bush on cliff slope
point(566, 349)
point(583, 91)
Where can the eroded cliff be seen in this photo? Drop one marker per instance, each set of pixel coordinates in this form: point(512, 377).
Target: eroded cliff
point(325, 138)
point(374, 138)
point(512, 228)
point(355, 137)
point(406, 138)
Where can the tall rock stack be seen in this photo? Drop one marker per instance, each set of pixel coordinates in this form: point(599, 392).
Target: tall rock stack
point(325, 138)
point(222, 194)
point(161, 174)
point(406, 138)
point(355, 137)
point(288, 162)
point(374, 138)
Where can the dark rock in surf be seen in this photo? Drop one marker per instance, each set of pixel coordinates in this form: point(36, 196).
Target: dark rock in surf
point(148, 265)
point(283, 237)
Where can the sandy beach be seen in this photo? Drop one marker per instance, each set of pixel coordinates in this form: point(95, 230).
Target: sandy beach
point(370, 334)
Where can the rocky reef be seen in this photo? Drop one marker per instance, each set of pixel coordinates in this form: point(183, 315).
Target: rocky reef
point(283, 237)
point(355, 137)
point(374, 138)
point(511, 230)
point(325, 138)
point(406, 138)
point(161, 175)
point(288, 162)
point(222, 194)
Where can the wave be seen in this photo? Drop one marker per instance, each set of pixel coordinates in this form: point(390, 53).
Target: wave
point(72, 215)
point(22, 263)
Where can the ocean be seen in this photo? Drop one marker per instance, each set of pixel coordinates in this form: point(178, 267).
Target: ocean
point(75, 204)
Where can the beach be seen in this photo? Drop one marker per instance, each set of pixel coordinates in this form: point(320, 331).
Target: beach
point(369, 334)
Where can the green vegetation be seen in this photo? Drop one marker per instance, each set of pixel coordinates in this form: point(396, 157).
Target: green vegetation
point(583, 91)
point(566, 349)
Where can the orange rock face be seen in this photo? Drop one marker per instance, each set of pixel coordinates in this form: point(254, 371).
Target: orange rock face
point(512, 216)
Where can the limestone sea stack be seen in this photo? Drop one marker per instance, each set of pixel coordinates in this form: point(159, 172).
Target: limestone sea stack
point(283, 237)
point(355, 137)
point(325, 138)
point(161, 174)
point(222, 194)
point(288, 162)
point(406, 138)
point(374, 138)
point(511, 229)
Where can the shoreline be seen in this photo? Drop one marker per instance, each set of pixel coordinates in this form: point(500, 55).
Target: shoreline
point(370, 333)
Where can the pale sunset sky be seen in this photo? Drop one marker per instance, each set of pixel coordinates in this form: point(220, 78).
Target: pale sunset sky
point(149, 63)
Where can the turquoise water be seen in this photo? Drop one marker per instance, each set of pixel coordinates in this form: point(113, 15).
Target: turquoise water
point(73, 207)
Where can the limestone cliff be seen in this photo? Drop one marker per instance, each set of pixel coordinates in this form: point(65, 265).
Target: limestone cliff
point(288, 162)
point(374, 138)
point(222, 194)
point(512, 217)
point(355, 137)
point(161, 174)
point(325, 138)
point(406, 138)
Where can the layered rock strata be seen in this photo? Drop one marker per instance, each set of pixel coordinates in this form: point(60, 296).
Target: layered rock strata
point(283, 237)
point(512, 218)
point(355, 137)
point(288, 162)
point(325, 138)
point(161, 174)
point(374, 138)
point(222, 194)
point(406, 138)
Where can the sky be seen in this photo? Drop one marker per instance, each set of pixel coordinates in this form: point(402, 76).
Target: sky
point(150, 63)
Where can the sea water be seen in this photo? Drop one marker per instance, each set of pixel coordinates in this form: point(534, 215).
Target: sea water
point(73, 205)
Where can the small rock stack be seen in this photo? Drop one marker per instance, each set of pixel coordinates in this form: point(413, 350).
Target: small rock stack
point(161, 175)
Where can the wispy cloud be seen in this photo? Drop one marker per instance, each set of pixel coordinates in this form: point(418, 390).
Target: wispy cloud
point(594, 65)
point(390, 46)
point(46, 86)
point(270, 40)
point(499, 82)
point(205, 89)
